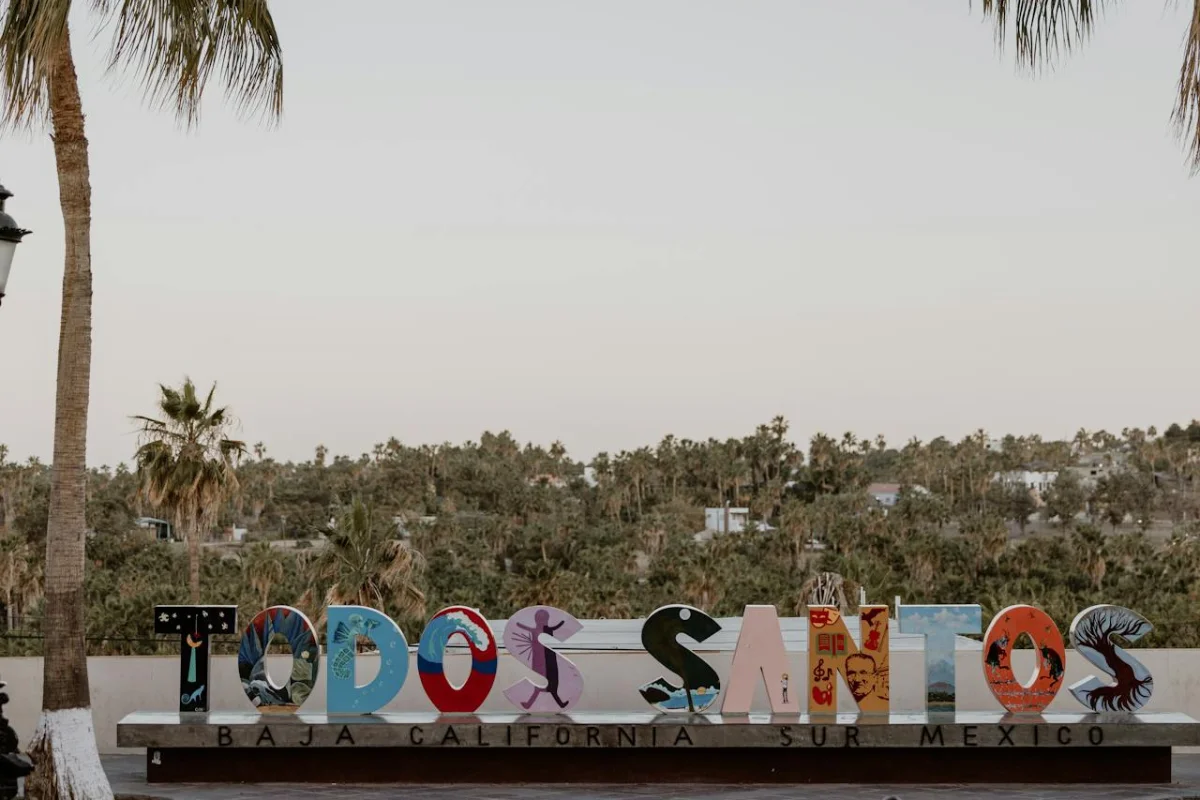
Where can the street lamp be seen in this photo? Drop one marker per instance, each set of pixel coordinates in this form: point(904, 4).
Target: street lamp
point(10, 237)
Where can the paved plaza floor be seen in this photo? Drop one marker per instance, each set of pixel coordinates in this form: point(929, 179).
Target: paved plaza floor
point(128, 776)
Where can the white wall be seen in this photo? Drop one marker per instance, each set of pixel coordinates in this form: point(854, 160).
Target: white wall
point(122, 684)
point(714, 519)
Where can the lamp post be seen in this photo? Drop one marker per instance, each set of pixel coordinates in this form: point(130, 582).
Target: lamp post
point(10, 237)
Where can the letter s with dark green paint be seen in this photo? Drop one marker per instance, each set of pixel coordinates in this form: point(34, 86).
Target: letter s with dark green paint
point(701, 685)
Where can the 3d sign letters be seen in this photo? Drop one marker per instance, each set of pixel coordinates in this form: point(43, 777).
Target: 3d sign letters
point(760, 658)
point(346, 624)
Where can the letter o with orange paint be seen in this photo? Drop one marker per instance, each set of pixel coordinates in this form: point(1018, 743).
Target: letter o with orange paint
point(1034, 695)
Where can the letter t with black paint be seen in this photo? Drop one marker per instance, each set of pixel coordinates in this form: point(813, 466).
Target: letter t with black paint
point(194, 625)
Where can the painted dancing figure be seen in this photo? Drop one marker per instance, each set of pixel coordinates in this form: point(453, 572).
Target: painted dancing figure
point(545, 661)
point(1054, 664)
point(996, 653)
point(783, 683)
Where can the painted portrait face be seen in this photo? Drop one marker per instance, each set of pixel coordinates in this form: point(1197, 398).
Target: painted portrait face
point(860, 675)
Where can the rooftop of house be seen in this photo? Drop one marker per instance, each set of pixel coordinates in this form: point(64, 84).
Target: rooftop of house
point(883, 488)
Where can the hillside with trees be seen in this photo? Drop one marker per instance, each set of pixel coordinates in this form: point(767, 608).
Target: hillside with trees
point(498, 525)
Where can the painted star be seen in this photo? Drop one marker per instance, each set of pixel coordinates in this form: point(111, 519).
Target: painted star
point(224, 626)
point(204, 613)
point(164, 617)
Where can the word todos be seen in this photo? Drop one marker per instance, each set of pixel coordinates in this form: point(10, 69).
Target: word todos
point(759, 656)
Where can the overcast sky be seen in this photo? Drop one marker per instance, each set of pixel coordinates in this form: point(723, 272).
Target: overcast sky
point(601, 222)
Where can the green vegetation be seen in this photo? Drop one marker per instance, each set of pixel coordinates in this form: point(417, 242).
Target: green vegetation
point(497, 525)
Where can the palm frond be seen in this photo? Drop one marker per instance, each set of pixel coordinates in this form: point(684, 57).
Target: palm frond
point(1043, 29)
point(172, 48)
point(1186, 115)
point(33, 34)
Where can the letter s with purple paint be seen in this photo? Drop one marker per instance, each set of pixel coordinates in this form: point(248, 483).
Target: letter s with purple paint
point(522, 639)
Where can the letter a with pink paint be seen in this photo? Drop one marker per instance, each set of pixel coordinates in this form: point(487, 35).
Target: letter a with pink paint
point(760, 655)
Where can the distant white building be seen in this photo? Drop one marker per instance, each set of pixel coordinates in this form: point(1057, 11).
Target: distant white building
point(232, 533)
point(405, 522)
point(1089, 469)
point(1035, 480)
point(886, 494)
point(727, 520)
point(163, 530)
point(547, 479)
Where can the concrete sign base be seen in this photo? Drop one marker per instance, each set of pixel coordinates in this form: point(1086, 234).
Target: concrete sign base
point(250, 747)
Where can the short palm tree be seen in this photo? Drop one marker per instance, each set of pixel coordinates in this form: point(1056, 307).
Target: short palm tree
point(1044, 28)
point(20, 576)
point(363, 563)
point(173, 48)
point(263, 568)
point(186, 465)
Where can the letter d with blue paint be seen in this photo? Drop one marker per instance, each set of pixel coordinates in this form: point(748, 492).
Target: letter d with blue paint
point(346, 624)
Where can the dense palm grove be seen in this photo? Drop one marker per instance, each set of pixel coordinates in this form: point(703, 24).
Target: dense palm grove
point(497, 525)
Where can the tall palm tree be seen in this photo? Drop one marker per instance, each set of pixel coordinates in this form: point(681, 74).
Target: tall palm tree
point(185, 464)
point(364, 564)
point(1044, 28)
point(173, 49)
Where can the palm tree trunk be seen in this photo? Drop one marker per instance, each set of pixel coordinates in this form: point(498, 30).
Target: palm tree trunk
point(64, 745)
point(9, 583)
point(193, 550)
point(10, 510)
